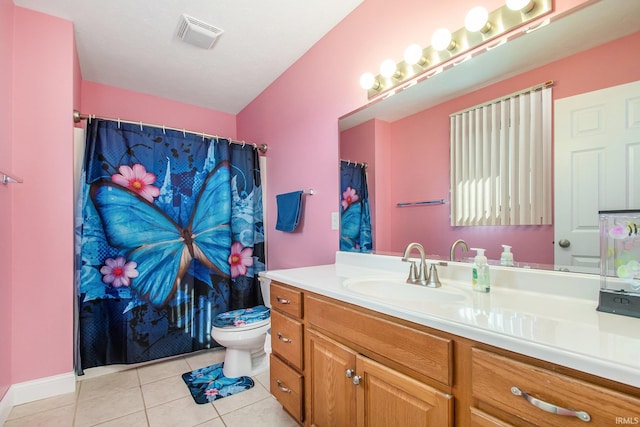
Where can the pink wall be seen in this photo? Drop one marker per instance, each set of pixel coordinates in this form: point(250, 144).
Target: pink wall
point(42, 312)
point(298, 114)
point(109, 101)
point(6, 191)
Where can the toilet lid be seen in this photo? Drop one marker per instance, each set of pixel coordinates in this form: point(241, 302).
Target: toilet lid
point(242, 317)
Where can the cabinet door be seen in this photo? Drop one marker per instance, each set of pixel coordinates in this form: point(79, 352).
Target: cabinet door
point(387, 398)
point(332, 395)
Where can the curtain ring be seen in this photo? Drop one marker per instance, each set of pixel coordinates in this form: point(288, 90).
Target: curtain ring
point(243, 144)
point(141, 127)
point(203, 136)
point(184, 133)
point(163, 130)
point(255, 146)
point(118, 122)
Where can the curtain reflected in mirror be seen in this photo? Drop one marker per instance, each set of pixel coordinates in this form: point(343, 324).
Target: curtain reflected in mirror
point(355, 215)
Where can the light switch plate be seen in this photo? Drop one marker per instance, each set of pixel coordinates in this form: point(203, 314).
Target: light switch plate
point(335, 221)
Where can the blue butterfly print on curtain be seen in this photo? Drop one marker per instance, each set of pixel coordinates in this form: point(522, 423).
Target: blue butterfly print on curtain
point(159, 247)
point(169, 233)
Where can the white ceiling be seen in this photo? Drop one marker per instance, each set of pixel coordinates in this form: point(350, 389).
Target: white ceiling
point(132, 44)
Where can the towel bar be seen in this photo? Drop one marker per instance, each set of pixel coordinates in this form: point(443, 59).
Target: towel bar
point(423, 203)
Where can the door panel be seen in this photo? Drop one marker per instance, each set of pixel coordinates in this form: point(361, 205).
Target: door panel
point(597, 167)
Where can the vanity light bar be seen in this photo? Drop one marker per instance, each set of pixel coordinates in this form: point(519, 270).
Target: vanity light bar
point(501, 21)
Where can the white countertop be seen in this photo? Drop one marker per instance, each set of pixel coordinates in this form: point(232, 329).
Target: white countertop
point(542, 314)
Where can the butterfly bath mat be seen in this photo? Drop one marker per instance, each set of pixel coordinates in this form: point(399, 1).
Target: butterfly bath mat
point(209, 384)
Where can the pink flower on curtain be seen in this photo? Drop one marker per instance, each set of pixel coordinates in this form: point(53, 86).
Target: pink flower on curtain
point(118, 272)
point(240, 259)
point(137, 179)
point(349, 197)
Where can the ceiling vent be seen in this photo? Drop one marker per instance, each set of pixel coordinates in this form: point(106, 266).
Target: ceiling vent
point(197, 33)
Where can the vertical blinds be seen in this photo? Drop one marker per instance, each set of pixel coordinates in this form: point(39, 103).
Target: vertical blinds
point(501, 161)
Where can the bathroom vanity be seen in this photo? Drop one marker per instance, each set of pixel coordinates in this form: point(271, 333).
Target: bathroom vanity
point(350, 350)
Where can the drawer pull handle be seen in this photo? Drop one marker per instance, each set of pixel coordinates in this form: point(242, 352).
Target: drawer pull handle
point(283, 338)
point(282, 388)
point(584, 416)
point(283, 300)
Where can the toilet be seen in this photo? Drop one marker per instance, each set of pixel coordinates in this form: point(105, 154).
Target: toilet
point(243, 333)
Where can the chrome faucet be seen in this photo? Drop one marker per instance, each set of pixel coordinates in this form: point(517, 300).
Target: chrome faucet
point(460, 242)
point(418, 275)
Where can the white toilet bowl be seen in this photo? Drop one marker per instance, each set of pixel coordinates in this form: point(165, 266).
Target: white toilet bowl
point(244, 345)
point(244, 342)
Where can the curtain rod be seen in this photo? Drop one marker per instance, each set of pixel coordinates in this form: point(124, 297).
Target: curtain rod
point(78, 117)
point(544, 85)
point(362, 164)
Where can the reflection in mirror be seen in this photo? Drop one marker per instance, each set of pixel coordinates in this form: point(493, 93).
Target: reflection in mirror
point(405, 138)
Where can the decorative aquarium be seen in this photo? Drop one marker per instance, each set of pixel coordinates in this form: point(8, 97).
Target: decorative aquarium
point(620, 262)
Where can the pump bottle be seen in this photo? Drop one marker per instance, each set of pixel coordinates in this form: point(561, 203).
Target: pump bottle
point(507, 256)
point(480, 273)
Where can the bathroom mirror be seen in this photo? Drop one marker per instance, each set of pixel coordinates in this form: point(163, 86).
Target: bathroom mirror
point(578, 30)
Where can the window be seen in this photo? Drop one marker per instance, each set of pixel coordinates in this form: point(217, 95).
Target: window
point(501, 161)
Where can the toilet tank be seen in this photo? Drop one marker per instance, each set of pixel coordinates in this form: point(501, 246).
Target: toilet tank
point(265, 286)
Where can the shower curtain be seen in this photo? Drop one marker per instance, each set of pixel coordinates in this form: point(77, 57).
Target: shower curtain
point(169, 233)
point(355, 217)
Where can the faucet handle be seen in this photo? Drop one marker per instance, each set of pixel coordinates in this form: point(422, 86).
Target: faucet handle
point(433, 281)
point(413, 271)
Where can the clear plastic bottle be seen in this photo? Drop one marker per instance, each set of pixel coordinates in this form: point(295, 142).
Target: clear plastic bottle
point(480, 280)
point(507, 256)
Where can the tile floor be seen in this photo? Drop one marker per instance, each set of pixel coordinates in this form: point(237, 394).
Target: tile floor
point(153, 395)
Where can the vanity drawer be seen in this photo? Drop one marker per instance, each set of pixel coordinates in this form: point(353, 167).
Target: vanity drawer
point(401, 345)
point(287, 386)
point(286, 338)
point(494, 376)
point(482, 419)
point(286, 300)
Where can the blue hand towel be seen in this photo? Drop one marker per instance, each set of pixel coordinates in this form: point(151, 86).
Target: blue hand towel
point(289, 210)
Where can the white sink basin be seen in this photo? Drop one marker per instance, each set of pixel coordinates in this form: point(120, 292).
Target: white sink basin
point(398, 290)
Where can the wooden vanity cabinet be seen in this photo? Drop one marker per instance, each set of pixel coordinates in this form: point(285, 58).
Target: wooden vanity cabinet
point(498, 382)
point(359, 368)
point(287, 346)
point(349, 380)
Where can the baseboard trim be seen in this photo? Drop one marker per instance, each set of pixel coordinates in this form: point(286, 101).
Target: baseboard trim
point(6, 404)
point(42, 388)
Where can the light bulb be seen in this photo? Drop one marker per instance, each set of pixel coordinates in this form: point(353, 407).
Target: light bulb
point(441, 40)
point(367, 81)
point(521, 5)
point(388, 68)
point(413, 55)
point(477, 19)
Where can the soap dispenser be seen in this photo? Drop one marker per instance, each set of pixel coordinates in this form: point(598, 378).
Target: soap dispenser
point(480, 273)
point(507, 256)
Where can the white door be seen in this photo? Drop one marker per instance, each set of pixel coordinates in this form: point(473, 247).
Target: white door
point(597, 167)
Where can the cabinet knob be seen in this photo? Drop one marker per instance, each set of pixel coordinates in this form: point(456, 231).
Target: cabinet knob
point(349, 373)
point(549, 407)
point(356, 379)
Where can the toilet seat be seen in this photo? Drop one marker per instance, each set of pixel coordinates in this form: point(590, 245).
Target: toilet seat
point(243, 319)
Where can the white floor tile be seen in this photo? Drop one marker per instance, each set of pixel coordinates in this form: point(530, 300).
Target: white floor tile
point(153, 395)
point(163, 391)
point(115, 404)
point(182, 412)
point(267, 412)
